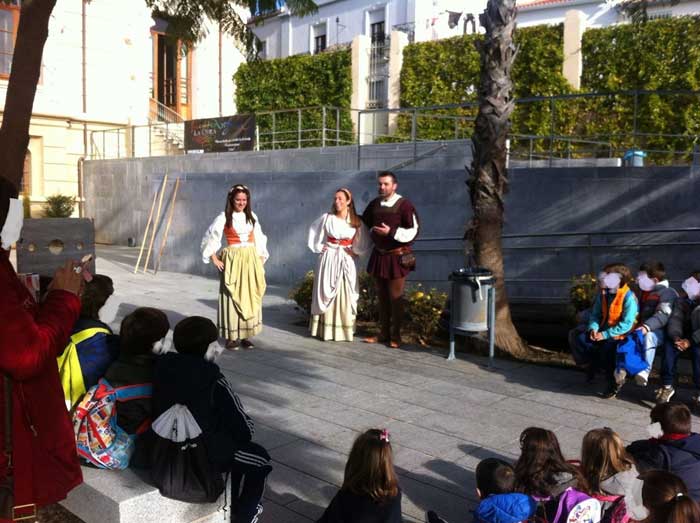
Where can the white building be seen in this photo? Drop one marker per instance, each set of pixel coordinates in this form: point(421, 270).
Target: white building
point(596, 13)
point(338, 22)
point(132, 75)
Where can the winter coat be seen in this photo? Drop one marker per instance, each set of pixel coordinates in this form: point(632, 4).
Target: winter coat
point(347, 507)
point(134, 415)
point(678, 456)
point(628, 485)
point(199, 385)
point(97, 352)
point(684, 322)
point(656, 305)
point(31, 338)
point(630, 309)
point(505, 508)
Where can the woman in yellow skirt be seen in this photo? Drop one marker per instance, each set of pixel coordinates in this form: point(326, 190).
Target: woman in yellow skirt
point(338, 237)
point(241, 266)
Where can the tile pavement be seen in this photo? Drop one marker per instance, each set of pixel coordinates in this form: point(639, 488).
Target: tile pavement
point(310, 399)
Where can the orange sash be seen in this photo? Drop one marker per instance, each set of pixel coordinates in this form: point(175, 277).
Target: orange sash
point(611, 315)
point(232, 237)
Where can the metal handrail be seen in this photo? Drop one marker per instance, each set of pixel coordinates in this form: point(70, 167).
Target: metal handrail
point(162, 113)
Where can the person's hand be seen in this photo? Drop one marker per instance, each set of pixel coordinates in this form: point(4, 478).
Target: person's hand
point(644, 329)
point(598, 336)
point(381, 230)
point(217, 262)
point(592, 334)
point(682, 345)
point(66, 279)
point(325, 248)
point(350, 252)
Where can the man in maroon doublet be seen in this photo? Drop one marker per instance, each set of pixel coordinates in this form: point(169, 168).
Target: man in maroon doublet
point(393, 224)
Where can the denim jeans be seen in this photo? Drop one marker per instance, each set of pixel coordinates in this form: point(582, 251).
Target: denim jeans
point(671, 355)
point(652, 340)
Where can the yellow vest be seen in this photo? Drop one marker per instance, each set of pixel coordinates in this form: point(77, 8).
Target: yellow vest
point(69, 368)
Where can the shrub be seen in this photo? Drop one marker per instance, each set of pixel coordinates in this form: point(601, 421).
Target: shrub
point(59, 206)
point(423, 311)
point(301, 294)
point(583, 291)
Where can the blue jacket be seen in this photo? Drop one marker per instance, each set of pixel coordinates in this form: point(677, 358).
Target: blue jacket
point(630, 353)
point(97, 353)
point(630, 309)
point(505, 508)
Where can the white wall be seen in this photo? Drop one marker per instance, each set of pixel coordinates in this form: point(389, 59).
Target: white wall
point(597, 14)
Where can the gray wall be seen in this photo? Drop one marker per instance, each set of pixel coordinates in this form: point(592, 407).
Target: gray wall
point(287, 196)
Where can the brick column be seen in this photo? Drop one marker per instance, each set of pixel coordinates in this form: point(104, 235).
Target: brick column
point(399, 40)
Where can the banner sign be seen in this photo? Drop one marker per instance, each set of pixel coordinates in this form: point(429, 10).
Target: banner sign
point(218, 135)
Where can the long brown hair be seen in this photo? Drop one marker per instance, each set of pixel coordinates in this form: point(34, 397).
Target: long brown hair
point(370, 467)
point(354, 219)
point(231, 196)
point(540, 462)
point(603, 455)
point(666, 497)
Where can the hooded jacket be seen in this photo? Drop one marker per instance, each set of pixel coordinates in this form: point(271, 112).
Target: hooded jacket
point(656, 305)
point(628, 485)
point(684, 322)
point(31, 337)
point(505, 508)
point(199, 385)
point(678, 456)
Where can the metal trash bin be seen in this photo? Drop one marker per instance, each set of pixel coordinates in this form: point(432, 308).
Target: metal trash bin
point(634, 158)
point(472, 304)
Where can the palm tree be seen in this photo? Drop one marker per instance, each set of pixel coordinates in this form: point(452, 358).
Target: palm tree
point(488, 177)
point(186, 21)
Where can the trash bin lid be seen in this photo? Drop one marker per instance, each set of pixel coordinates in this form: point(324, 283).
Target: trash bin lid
point(631, 153)
point(470, 274)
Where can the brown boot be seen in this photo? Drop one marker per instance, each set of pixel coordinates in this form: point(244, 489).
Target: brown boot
point(397, 312)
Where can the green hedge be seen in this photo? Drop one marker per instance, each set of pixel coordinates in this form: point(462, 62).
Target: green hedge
point(297, 81)
point(447, 72)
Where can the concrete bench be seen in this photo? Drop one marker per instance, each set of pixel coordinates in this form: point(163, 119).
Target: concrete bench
point(108, 496)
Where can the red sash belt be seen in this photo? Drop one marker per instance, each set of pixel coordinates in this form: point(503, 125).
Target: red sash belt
point(346, 242)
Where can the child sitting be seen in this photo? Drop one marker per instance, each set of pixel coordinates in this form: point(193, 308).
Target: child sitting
point(666, 497)
point(495, 482)
point(185, 377)
point(92, 346)
point(370, 491)
point(682, 334)
point(614, 313)
point(139, 332)
point(673, 447)
point(611, 474)
point(655, 306)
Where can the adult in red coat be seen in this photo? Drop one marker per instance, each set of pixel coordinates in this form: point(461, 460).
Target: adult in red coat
point(32, 335)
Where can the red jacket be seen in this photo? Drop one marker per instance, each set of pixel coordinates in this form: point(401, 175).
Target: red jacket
point(32, 335)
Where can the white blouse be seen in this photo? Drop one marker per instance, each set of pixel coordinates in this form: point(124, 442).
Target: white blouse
point(212, 241)
point(329, 225)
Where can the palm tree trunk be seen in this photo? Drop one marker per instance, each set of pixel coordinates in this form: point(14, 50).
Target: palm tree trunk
point(488, 177)
point(24, 76)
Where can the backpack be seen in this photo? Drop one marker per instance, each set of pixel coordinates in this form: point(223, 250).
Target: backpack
point(616, 512)
point(99, 439)
point(180, 466)
point(571, 506)
point(69, 368)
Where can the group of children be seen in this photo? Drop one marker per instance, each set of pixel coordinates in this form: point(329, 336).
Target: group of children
point(631, 318)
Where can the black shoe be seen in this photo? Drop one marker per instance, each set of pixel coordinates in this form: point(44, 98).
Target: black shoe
point(590, 374)
point(432, 517)
point(611, 392)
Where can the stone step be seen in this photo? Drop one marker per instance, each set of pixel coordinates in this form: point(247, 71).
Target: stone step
point(108, 496)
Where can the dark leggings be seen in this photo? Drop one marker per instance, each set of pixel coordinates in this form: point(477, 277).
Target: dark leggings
point(391, 307)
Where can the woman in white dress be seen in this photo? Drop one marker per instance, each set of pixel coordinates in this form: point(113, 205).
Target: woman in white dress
point(339, 237)
point(241, 266)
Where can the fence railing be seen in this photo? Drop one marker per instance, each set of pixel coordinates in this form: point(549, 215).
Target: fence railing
point(544, 131)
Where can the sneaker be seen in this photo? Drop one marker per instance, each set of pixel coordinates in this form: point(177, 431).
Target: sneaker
point(611, 392)
point(247, 344)
point(620, 377)
point(642, 378)
point(233, 345)
point(665, 394)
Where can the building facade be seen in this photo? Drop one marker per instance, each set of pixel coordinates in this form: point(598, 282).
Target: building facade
point(338, 22)
point(109, 65)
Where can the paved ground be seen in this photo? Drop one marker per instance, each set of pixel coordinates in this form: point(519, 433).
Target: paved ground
point(309, 400)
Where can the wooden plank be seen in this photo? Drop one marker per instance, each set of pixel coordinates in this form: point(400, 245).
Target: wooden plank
point(145, 234)
point(155, 223)
point(167, 226)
